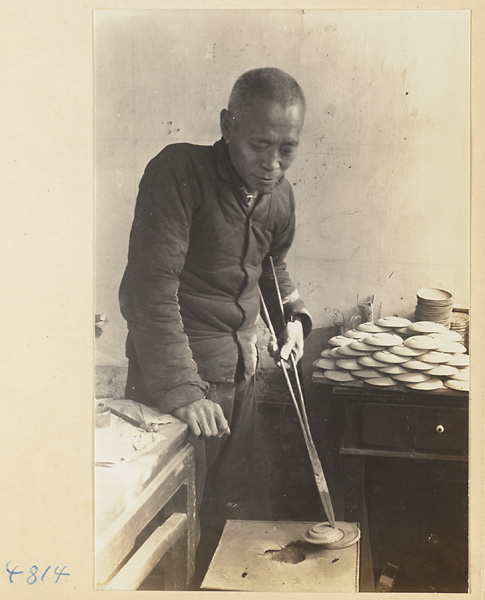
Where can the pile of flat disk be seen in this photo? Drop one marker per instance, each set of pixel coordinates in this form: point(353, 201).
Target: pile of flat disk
point(460, 322)
point(434, 305)
point(423, 356)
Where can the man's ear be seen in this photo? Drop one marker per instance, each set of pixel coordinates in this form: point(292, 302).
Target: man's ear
point(227, 123)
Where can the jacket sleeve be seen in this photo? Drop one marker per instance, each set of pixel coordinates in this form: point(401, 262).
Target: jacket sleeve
point(148, 293)
point(293, 305)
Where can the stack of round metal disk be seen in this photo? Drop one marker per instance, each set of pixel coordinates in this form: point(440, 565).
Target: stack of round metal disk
point(461, 379)
point(423, 355)
point(460, 322)
point(434, 305)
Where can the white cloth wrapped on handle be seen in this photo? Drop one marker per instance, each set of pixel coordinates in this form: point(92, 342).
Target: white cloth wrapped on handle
point(144, 414)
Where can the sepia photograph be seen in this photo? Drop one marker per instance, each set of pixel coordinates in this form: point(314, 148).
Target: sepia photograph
point(242, 299)
point(282, 214)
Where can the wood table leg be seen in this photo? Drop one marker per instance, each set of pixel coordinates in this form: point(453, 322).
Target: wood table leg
point(179, 564)
point(355, 510)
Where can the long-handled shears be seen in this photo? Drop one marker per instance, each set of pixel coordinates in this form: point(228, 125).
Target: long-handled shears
point(301, 410)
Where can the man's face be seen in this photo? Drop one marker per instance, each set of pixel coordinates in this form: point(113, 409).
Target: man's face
point(263, 142)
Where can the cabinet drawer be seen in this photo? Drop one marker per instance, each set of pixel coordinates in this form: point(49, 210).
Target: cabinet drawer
point(415, 427)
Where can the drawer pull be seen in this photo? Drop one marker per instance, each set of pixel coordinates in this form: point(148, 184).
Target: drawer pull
point(433, 539)
point(440, 429)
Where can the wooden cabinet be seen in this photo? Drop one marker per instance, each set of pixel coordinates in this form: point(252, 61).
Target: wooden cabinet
point(423, 428)
point(406, 481)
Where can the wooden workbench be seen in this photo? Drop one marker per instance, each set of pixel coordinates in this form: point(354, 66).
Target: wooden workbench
point(273, 556)
point(145, 508)
point(406, 458)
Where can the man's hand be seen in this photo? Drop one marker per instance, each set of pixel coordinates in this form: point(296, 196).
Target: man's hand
point(204, 417)
point(290, 342)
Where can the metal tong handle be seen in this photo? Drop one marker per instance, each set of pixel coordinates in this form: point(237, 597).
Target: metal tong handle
point(318, 473)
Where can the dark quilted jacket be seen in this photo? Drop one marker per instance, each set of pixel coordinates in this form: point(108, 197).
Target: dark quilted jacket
point(190, 290)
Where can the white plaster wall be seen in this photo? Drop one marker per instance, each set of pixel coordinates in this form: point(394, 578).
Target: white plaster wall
point(382, 177)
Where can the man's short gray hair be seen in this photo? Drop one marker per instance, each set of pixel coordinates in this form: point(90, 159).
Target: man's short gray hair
point(265, 83)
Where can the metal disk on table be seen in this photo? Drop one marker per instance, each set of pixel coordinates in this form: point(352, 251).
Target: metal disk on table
point(342, 536)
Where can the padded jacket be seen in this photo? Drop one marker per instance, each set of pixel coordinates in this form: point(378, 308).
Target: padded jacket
point(196, 255)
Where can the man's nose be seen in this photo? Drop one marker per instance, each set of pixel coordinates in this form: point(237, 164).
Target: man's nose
point(271, 160)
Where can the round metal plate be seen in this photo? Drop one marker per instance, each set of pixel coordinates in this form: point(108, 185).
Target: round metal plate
point(318, 535)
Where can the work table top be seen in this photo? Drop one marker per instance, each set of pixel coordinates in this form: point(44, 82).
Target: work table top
point(399, 393)
point(118, 485)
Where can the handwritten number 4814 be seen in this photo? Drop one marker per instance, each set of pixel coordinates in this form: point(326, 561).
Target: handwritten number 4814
point(34, 575)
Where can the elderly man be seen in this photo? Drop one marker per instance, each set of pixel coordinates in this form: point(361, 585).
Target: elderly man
point(207, 221)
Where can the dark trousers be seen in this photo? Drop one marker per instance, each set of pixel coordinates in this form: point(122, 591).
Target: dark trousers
point(232, 476)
